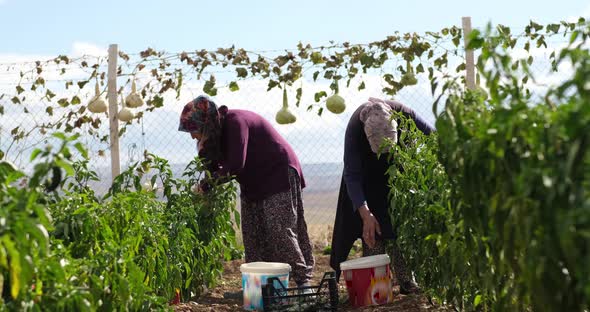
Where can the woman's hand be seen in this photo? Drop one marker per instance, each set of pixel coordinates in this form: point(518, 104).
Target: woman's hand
point(370, 225)
point(197, 189)
point(201, 144)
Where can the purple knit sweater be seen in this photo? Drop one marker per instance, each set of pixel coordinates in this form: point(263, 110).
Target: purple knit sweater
point(256, 154)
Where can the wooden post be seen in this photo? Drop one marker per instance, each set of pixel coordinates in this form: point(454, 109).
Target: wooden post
point(113, 110)
point(469, 58)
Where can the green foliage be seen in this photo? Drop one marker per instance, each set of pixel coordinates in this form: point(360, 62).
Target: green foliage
point(25, 244)
point(131, 251)
point(493, 211)
point(427, 216)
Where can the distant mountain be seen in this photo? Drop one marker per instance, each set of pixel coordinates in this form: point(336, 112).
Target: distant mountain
point(319, 177)
point(323, 177)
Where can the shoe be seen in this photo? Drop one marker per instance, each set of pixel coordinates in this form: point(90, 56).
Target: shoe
point(409, 288)
point(306, 289)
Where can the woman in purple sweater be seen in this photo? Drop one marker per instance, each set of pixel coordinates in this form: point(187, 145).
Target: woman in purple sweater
point(363, 202)
point(243, 145)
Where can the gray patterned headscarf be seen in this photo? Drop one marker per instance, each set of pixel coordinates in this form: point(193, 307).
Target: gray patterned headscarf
point(376, 116)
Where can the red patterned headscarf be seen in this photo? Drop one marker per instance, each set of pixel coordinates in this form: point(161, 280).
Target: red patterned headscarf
point(199, 115)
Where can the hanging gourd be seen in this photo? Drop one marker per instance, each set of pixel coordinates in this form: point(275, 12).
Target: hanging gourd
point(97, 104)
point(335, 103)
point(409, 79)
point(125, 114)
point(284, 116)
point(133, 100)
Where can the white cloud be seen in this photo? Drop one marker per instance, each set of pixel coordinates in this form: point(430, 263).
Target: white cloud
point(78, 49)
point(9, 58)
point(85, 48)
point(315, 139)
point(12, 64)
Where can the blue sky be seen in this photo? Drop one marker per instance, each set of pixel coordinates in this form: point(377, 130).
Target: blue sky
point(43, 27)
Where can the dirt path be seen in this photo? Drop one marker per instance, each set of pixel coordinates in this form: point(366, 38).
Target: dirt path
point(232, 282)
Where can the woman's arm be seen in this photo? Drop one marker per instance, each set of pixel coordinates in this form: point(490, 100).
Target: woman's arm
point(353, 166)
point(422, 125)
point(353, 177)
point(235, 145)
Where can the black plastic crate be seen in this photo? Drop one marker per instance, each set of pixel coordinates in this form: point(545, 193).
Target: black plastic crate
point(324, 297)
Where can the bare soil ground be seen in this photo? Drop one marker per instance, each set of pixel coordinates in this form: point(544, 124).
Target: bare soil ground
point(231, 281)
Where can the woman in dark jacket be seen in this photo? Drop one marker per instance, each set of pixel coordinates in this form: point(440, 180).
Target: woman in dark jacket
point(363, 205)
point(242, 144)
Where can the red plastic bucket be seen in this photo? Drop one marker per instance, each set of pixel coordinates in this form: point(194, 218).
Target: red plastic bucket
point(368, 280)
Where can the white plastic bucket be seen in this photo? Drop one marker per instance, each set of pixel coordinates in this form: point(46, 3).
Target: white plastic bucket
point(368, 280)
point(255, 275)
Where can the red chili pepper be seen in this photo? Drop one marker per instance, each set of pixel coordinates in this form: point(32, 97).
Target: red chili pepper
point(176, 299)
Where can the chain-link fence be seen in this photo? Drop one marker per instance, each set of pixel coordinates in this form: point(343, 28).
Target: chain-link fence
point(317, 140)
